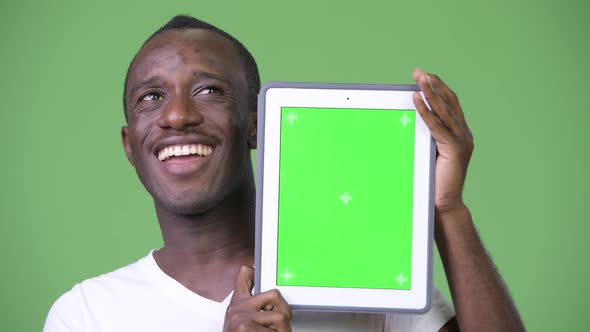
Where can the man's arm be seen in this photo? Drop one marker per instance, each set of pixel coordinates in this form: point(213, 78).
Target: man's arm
point(481, 300)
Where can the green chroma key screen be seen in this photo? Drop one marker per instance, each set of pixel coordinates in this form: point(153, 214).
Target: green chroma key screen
point(345, 198)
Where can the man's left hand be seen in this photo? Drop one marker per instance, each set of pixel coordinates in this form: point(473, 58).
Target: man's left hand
point(454, 141)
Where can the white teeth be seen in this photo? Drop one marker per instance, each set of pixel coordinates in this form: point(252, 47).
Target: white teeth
point(163, 155)
point(184, 150)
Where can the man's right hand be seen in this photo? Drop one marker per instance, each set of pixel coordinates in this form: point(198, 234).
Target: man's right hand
point(266, 311)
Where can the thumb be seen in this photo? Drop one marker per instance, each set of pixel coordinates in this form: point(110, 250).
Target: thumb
point(244, 283)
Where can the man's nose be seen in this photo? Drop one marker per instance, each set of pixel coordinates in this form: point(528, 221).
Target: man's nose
point(179, 113)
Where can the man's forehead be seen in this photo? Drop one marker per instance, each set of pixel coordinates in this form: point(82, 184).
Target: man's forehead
point(178, 47)
point(189, 38)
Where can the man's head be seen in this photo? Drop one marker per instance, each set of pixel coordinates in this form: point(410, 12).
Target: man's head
point(183, 22)
point(190, 104)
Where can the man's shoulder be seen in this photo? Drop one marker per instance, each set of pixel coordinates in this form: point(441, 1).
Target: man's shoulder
point(133, 274)
point(136, 273)
point(103, 290)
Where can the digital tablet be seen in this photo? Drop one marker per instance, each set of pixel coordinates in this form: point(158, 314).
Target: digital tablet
point(345, 184)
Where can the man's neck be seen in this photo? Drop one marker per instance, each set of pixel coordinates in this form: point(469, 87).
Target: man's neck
point(204, 252)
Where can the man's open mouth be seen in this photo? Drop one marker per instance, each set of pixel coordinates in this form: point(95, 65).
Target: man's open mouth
point(173, 151)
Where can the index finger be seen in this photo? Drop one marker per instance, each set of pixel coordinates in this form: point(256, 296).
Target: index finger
point(274, 300)
point(244, 284)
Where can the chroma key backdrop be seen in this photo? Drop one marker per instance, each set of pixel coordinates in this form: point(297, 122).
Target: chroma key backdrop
point(72, 208)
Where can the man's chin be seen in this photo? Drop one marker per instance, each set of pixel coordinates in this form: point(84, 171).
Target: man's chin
point(186, 204)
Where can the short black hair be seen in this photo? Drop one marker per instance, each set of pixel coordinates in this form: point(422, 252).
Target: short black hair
point(182, 22)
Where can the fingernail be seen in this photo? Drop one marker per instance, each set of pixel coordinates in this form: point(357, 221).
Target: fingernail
point(429, 81)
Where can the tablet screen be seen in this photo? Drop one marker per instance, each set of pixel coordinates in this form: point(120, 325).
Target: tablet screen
point(345, 198)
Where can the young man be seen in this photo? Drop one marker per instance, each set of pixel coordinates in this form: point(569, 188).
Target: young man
point(190, 103)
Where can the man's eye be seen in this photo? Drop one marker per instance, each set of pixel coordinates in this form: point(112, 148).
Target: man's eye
point(152, 96)
point(210, 90)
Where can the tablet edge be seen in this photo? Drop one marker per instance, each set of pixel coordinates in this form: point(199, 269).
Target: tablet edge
point(260, 178)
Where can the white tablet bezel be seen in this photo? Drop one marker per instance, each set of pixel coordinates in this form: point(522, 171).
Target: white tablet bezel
point(272, 98)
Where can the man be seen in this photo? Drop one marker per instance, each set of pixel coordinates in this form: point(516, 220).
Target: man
point(190, 104)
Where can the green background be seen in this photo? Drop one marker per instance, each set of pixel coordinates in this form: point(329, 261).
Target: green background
point(365, 242)
point(71, 207)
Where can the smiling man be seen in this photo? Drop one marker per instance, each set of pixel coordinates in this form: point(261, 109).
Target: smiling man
point(190, 105)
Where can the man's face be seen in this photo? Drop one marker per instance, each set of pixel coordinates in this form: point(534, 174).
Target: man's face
point(188, 119)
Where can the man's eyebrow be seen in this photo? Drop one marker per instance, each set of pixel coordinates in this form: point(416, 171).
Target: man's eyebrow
point(204, 74)
point(149, 81)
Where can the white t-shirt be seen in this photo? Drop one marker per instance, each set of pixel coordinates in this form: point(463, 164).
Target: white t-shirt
point(141, 297)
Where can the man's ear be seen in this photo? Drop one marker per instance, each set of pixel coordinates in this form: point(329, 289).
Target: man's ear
point(252, 127)
point(126, 146)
